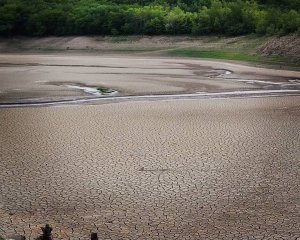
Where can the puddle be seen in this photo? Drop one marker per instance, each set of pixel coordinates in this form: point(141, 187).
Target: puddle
point(106, 91)
point(96, 91)
point(218, 73)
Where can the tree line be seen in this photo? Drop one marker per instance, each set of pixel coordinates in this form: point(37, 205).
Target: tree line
point(151, 17)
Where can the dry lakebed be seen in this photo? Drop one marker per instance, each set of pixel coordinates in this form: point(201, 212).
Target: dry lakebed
point(148, 148)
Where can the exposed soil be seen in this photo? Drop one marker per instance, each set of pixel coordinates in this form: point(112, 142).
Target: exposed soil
point(197, 170)
point(282, 46)
point(129, 43)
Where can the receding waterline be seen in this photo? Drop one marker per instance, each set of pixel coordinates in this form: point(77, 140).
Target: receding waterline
point(174, 97)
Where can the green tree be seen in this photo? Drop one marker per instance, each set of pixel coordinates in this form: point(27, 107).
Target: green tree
point(179, 22)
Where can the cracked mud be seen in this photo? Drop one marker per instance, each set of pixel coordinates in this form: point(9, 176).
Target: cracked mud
point(149, 167)
point(200, 169)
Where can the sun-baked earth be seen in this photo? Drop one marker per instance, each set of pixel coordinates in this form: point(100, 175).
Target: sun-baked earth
point(169, 168)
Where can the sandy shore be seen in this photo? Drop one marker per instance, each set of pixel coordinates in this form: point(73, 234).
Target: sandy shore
point(199, 169)
point(38, 78)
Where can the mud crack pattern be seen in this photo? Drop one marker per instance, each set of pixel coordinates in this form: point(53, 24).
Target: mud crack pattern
point(202, 169)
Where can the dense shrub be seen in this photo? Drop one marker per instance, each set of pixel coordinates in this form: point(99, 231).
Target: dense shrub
point(153, 17)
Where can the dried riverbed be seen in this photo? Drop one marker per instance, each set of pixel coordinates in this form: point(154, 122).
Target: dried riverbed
point(170, 156)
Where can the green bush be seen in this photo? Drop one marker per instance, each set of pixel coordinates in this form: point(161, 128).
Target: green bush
point(84, 17)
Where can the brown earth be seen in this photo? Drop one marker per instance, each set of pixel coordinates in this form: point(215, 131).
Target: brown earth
point(128, 43)
point(288, 46)
point(200, 170)
point(174, 169)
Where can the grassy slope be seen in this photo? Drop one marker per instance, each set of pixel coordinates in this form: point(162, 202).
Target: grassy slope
point(237, 56)
point(242, 49)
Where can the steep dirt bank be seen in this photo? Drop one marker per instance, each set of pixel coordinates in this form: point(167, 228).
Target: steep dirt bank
point(282, 46)
point(132, 43)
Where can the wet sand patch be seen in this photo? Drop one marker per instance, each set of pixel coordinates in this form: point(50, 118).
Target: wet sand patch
point(130, 76)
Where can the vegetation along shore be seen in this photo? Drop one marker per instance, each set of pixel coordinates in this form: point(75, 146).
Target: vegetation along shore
point(151, 17)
